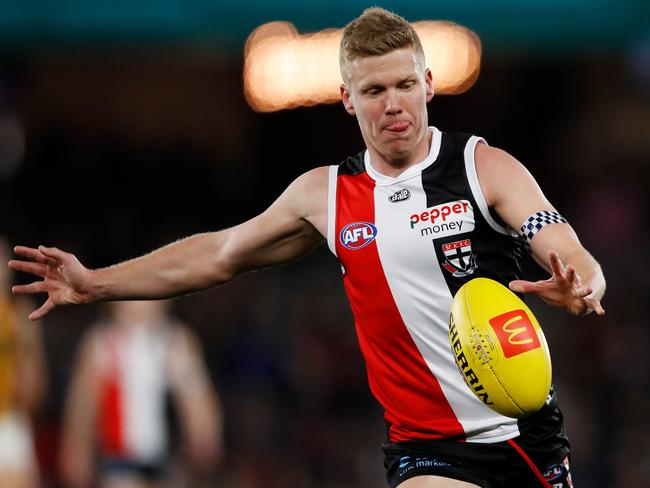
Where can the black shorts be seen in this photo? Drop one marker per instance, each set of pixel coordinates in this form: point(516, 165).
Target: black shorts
point(540, 451)
point(148, 472)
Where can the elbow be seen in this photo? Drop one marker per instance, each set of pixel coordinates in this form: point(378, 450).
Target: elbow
point(221, 274)
point(222, 268)
point(223, 257)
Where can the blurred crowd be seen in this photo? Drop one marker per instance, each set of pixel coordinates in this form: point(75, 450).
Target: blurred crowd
point(263, 384)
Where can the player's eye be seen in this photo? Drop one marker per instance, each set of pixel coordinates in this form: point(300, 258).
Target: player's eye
point(373, 90)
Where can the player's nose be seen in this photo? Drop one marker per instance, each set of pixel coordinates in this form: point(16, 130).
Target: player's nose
point(393, 105)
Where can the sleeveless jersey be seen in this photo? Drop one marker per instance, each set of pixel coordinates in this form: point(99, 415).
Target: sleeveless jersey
point(134, 382)
point(406, 244)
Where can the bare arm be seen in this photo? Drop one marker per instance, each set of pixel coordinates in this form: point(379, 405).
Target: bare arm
point(514, 194)
point(288, 229)
point(78, 431)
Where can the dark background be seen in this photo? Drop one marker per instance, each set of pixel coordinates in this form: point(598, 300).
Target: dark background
point(137, 135)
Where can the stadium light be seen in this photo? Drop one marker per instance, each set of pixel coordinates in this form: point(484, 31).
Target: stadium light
point(284, 69)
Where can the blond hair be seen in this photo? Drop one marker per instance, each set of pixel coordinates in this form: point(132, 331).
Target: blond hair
point(374, 33)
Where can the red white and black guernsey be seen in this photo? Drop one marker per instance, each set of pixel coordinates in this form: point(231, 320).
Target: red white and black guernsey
point(406, 244)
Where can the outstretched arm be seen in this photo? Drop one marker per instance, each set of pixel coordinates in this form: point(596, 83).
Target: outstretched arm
point(288, 229)
point(577, 283)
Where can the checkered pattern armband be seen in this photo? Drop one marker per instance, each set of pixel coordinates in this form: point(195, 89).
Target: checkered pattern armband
point(536, 222)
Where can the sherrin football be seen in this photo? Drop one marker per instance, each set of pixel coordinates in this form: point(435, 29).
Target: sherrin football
point(499, 348)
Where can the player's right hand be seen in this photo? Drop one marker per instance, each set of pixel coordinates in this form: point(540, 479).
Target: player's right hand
point(564, 289)
point(65, 280)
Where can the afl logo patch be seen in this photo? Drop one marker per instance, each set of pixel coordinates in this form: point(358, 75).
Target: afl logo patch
point(357, 235)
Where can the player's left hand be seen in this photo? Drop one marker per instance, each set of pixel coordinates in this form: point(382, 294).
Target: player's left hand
point(564, 289)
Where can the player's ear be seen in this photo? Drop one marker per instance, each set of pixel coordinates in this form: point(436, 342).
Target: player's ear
point(428, 81)
point(347, 100)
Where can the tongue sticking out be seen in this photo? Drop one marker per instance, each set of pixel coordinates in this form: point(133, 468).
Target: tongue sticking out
point(398, 127)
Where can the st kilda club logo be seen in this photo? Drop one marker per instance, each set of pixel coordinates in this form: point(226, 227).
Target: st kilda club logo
point(459, 259)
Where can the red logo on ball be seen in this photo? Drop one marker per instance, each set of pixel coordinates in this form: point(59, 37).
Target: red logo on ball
point(515, 332)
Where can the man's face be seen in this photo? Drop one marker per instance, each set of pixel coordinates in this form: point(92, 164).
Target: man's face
point(388, 95)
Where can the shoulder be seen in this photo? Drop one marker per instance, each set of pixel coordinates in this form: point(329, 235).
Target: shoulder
point(313, 180)
point(498, 171)
point(307, 192)
point(352, 165)
point(494, 159)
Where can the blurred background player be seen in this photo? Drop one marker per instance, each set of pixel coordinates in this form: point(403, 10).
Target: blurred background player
point(22, 384)
point(116, 412)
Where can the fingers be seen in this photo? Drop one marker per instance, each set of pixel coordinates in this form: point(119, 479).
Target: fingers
point(556, 263)
point(583, 292)
point(31, 253)
point(570, 274)
point(598, 308)
point(523, 286)
point(35, 268)
point(53, 253)
point(594, 305)
point(36, 287)
point(42, 310)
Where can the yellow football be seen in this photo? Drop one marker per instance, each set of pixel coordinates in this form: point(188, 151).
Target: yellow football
point(499, 348)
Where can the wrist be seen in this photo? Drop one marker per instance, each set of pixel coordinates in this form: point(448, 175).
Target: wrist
point(95, 287)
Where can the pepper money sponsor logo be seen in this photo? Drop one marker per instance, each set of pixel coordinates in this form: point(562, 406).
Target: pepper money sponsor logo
point(357, 235)
point(444, 220)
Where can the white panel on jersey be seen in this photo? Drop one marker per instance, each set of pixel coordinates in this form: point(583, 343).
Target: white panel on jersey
point(144, 393)
point(411, 171)
point(422, 297)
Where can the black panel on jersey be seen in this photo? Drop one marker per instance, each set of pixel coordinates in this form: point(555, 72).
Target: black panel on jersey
point(493, 255)
point(446, 177)
point(353, 165)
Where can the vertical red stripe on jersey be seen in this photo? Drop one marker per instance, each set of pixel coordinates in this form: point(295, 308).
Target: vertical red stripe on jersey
point(415, 406)
point(110, 413)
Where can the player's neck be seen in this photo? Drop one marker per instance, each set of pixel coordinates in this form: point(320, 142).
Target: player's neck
point(396, 165)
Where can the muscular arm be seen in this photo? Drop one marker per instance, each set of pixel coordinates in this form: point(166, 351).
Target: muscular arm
point(512, 192)
point(289, 228)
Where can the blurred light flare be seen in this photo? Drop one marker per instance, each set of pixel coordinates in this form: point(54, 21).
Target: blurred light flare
point(284, 69)
point(453, 53)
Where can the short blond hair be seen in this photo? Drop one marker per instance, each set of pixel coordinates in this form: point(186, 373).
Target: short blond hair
point(374, 33)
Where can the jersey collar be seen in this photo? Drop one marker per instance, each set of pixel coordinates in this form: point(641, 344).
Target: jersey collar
point(411, 171)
